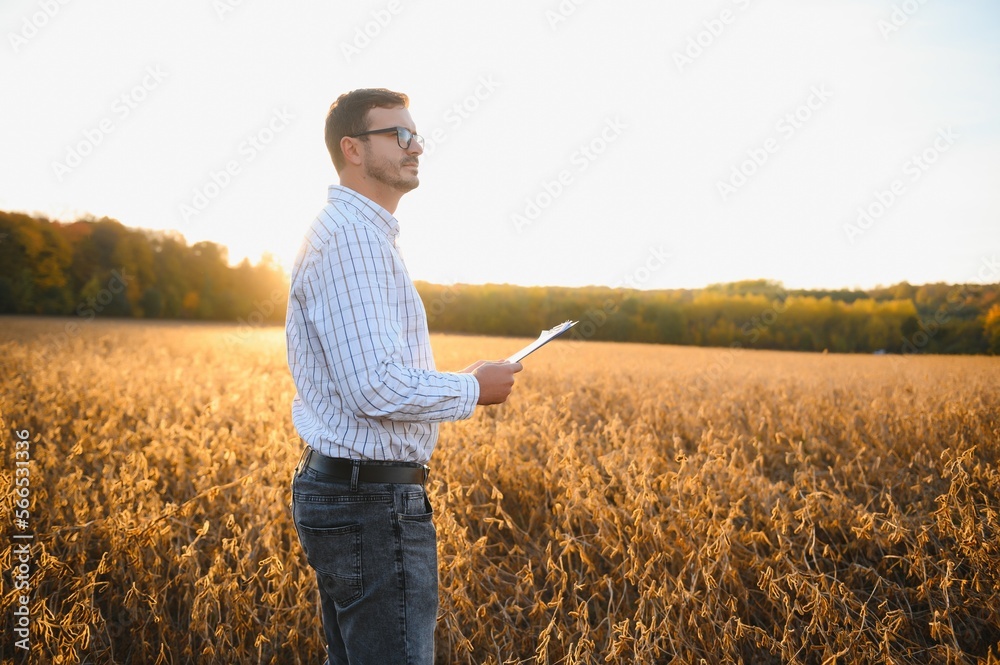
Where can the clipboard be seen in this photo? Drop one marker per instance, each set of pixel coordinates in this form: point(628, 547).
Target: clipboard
point(543, 339)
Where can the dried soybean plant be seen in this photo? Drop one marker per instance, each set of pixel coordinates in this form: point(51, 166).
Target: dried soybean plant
point(629, 504)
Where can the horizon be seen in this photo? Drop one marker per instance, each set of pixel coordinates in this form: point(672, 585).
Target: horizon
point(990, 264)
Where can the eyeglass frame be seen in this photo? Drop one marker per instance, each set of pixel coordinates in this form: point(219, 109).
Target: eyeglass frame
point(398, 130)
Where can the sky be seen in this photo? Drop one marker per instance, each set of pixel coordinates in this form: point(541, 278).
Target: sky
point(819, 143)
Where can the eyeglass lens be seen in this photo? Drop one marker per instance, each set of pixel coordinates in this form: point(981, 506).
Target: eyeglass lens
point(405, 136)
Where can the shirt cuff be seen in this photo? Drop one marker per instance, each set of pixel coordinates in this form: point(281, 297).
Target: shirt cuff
point(470, 395)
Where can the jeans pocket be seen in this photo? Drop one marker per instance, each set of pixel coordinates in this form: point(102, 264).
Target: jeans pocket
point(335, 554)
point(418, 546)
point(416, 507)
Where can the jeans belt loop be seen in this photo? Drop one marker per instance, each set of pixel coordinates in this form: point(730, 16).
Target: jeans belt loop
point(355, 469)
point(303, 461)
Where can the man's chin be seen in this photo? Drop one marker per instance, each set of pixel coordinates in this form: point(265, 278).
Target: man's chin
point(408, 185)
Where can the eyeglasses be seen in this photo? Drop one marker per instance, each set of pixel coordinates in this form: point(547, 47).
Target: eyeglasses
point(403, 136)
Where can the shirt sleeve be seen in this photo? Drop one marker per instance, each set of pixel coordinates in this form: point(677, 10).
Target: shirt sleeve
point(354, 306)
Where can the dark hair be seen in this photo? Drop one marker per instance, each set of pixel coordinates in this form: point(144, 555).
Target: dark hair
point(349, 116)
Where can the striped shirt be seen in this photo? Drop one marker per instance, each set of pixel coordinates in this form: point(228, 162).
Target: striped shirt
point(358, 346)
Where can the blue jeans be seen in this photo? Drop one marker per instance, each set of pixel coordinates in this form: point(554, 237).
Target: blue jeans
point(374, 550)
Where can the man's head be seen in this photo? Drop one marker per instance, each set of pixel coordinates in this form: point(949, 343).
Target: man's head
point(368, 159)
point(348, 116)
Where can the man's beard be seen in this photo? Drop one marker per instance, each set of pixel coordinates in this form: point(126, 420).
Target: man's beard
point(388, 174)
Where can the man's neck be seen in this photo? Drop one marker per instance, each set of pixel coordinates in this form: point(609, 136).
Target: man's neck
point(374, 190)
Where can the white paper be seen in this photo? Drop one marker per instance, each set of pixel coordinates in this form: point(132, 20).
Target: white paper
point(543, 339)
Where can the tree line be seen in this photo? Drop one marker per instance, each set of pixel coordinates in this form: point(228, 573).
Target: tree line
point(933, 318)
point(99, 267)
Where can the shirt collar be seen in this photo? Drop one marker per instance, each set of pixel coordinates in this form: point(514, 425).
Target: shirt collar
point(372, 212)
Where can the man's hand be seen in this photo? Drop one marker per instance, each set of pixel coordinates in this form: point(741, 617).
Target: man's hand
point(496, 379)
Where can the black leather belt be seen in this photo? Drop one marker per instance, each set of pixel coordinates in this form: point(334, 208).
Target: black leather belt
point(367, 472)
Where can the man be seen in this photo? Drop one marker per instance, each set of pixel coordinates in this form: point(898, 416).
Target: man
point(369, 399)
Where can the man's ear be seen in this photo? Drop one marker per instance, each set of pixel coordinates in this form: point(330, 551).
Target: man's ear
point(352, 150)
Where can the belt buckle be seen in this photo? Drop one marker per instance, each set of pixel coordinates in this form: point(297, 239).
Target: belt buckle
point(427, 472)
